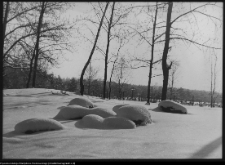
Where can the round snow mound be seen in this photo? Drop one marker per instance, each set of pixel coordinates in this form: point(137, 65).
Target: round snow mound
point(92, 121)
point(97, 122)
point(84, 102)
point(172, 106)
point(118, 123)
point(37, 124)
point(116, 107)
point(78, 112)
point(137, 113)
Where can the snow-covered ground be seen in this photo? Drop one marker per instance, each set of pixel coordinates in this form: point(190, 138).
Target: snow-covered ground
point(197, 134)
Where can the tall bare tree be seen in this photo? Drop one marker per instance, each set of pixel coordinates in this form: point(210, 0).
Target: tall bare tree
point(166, 67)
point(213, 80)
point(107, 49)
point(42, 11)
point(154, 38)
point(92, 51)
point(14, 31)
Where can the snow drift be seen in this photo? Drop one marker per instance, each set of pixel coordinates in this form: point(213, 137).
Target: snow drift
point(38, 124)
point(169, 136)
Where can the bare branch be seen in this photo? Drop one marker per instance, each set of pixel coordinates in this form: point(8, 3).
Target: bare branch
point(193, 10)
point(180, 38)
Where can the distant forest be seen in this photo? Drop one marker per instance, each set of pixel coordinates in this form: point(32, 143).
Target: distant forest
point(16, 78)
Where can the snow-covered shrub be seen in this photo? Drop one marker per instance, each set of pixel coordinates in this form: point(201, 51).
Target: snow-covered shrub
point(84, 102)
point(72, 112)
point(172, 106)
point(97, 122)
point(137, 113)
point(92, 121)
point(118, 123)
point(77, 112)
point(37, 124)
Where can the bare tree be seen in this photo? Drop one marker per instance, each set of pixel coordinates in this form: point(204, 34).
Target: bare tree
point(107, 49)
point(112, 25)
point(166, 67)
point(121, 74)
point(173, 77)
point(14, 30)
point(154, 38)
point(213, 80)
point(92, 52)
point(42, 11)
point(121, 44)
point(20, 39)
point(90, 75)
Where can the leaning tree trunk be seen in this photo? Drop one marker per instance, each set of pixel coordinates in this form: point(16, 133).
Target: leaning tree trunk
point(152, 56)
point(37, 43)
point(165, 67)
point(107, 51)
point(5, 19)
point(92, 52)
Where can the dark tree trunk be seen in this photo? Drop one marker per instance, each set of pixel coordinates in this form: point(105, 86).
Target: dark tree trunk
point(92, 52)
point(111, 77)
point(119, 90)
point(31, 69)
point(37, 43)
point(211, 86)
point(5, 20)
point(165, 67)
point(152, 56)
point(107, 51)
point(89, 86)
point(4, 29)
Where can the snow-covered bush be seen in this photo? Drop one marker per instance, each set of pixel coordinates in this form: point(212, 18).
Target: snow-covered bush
point(172, 106)
point(137, 113)
point(84, 102)
point(77, 112)
point(92, 121)
point(37, 124)
point(97, 122)
point(118, 123)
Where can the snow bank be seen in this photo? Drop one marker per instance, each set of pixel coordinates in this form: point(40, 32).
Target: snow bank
point(97, 122)
point(37, 124)
point(137, 113)
point(77, 112)
point(172, 106)
point(84, 102)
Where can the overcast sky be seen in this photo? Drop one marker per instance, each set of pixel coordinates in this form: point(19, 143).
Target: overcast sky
point(194, 69)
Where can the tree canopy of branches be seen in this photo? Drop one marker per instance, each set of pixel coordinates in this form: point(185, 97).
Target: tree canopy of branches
point(34, 35)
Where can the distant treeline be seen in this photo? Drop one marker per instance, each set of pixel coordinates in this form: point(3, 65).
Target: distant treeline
point(16, 78)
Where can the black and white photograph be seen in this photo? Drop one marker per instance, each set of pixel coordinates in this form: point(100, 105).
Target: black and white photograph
point(132, 80)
